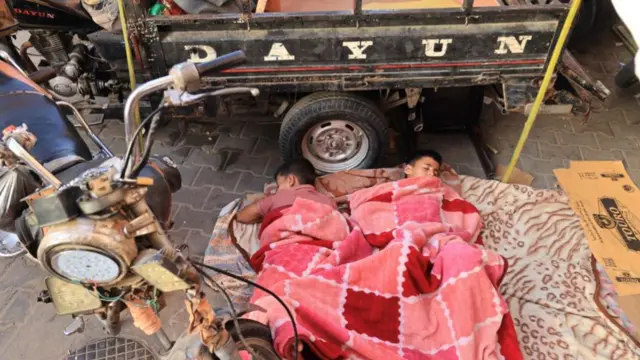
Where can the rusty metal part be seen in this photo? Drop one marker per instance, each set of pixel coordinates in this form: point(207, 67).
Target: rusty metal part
point(140, 225)
point(585, 86)
point(134, 198)
point(105, 237)
point(202, 319)
point(143, 315)
point(24, 55)
point(92, 206)
point(413, 96)
point(34, 164)
point(135, 42)
point(110, 319)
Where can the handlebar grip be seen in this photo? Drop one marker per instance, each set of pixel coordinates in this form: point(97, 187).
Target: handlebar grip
point(221, 63)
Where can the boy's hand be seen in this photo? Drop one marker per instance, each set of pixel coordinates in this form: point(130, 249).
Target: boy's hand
point(249, 215)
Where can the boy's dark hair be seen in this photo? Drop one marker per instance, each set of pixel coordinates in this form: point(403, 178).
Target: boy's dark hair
point(301, 168)
point(424, 153)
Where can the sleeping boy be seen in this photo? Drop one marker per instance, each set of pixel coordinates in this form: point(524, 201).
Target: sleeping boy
point(295, 179)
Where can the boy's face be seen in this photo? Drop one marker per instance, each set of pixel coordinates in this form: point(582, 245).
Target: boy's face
point(286, 182)
point(425, 166)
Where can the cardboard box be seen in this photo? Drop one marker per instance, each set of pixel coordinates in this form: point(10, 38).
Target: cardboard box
point(608, 204)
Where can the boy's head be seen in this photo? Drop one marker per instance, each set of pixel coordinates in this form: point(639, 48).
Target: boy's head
point(295, 173)
point(423, 163)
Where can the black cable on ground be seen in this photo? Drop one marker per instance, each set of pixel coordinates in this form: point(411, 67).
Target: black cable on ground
point(233, 311)
point(240, 278)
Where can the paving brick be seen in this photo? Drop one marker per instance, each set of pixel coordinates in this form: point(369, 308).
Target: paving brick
point(226, 142)
point(581, 139)
point(531, 147)
point(250, 183)
point(188, 174)
point(110, 129)
point(632, 159)
point(210, 177)
point(266, 147)
point(601, 155)
point(540, 166)
point(207, 156)
point(268, 131)
point(635, 176)
point(512, 134)
point(197, 140)
point(218, 198)
point(194, 219)
point(22, 273)
point(229, 128)
point(617, 143)
point(178, 235)
point(622, 129)
point(599, 127)
point(632, 116)
point(118, 146)
point(198, 242)
point(177, 154)
point(5, 297)
point(17, 311)
point(272, 165)
point(192, 196)
point(549, 151)
point(256, 165)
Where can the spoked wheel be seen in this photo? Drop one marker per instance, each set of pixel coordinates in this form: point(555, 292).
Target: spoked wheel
point(334, 131)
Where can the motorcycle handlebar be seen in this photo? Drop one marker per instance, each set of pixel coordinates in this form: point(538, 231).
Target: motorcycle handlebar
point(221, 63)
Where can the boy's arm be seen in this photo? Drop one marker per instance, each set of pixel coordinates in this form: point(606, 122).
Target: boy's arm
point(251, 214)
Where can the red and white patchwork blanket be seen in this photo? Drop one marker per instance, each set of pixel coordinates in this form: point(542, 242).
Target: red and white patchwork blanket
point(404, 277)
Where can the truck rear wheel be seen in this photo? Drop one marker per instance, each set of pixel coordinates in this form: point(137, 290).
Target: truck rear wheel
point(334, 131)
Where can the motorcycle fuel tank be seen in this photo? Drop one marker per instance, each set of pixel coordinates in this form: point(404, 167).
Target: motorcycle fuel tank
point(53, 15)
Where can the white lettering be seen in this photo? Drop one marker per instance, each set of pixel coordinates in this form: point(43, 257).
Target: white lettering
point(357, 48)
point(515, 46)
point(278, 53)
point(436, 47)
point(195, 52)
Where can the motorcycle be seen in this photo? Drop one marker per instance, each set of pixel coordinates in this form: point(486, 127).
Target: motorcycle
point(98, 224)
point(73, 37)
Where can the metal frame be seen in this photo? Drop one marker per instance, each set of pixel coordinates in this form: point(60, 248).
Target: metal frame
point(343, 76)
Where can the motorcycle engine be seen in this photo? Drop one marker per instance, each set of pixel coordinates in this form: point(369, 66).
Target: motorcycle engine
point(80, 69)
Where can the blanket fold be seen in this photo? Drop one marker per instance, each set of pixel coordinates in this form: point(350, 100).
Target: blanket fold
point(404, 277)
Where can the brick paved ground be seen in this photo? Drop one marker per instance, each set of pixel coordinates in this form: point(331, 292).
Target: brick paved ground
point(221, 162)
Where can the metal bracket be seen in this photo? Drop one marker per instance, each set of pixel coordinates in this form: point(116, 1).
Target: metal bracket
point(174, 97)
point(76, 326)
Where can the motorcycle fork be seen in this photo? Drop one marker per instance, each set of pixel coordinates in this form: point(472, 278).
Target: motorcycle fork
point(110, 318)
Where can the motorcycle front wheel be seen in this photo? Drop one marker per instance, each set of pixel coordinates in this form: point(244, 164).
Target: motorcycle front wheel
point(256, 335)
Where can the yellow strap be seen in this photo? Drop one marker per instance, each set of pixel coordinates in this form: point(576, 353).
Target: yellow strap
point(555, 56)
point(132, 70)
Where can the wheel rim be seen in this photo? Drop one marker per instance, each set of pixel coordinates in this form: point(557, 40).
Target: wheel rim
point(335, 145)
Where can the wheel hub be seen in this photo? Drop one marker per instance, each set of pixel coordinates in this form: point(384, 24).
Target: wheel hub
point(335, 145)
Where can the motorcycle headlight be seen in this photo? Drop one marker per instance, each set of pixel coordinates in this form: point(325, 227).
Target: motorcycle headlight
point(93, 252)
point(85, 266)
